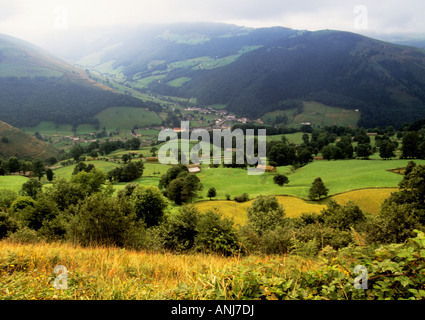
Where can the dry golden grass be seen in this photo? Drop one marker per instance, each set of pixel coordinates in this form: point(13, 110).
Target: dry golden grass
point(368, 200)
point(26, 271)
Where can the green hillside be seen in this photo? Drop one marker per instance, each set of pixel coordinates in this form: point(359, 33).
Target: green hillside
point(256, 71)
point(14, 142)
point(125, 118)
point(35, 86)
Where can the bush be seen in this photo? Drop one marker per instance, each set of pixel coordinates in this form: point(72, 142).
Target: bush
point(7, 196)
point(25, 235)
point(215, 234)
point(21, 203)
point(7, 225)
point(43, 210)
point(244, 197)
point(179, 230)
point(31, 188)
point(342, 217)
point(149, 204)
point(276, 241)
point(102, 220)
point(265, 213)
point(280, 179)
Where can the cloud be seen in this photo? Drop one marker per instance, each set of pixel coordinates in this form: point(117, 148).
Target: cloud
point(36, 19)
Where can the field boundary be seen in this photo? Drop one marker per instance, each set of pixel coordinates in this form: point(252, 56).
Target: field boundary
point(304, 199)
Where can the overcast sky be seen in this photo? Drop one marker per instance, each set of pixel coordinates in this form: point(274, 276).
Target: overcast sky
point(36, 20)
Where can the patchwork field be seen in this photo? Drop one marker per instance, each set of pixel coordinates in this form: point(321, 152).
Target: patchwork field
point(368, 200)
point(338, 176)
point(366, 183)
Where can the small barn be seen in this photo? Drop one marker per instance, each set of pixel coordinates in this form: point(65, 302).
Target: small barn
point(194, 168)
point(267, 168)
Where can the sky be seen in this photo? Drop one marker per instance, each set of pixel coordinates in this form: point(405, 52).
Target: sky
point(38, 20)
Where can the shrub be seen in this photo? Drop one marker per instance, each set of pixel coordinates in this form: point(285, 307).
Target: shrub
point(149, 204)
point(21, 203)
point(31, 188)
point(44, 209)
point(102, 220)
point(342, 217)
point(280, 179)
point(215, 234)
point(7, 225)
point(24, 235)
point(179, 230)
point(244, 197)
point(265, 213)
point(7, 196)
point(276, 241)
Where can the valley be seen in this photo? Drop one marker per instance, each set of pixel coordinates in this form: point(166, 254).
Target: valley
point(82, 182)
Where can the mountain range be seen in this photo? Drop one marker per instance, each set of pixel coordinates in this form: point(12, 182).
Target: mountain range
point(249, 71)
point(37, 86)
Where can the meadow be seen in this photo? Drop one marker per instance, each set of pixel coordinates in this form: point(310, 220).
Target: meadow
point(368, 200)
point(339, 176)
point(125, 118)
point(12, 182)
point(318, 114)
point(108, 273)
point(101, 273)
point(365, 182)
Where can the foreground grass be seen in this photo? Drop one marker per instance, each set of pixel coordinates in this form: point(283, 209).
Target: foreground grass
point(26, 271)
point(395, 272)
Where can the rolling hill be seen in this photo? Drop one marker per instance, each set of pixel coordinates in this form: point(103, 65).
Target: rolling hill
point(35, 86)
point(14, 142)
point(255, 71)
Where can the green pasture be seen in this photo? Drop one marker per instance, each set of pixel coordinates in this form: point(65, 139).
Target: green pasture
point(12, 182)
point(66, 172)
point(318, 114)
point(292, 137)
point(178, 82)
point(338, 176)
point(125, 118)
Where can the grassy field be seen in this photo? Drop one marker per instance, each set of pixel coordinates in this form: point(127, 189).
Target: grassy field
point(178, 82)
point(318, 115)
point(368, 200)
point(125, 118)
point(21, 144)
point(12, 182)
point(366, 183)
point(292, 137)
point(66, 172)
point(338, 176)
point(27, 272)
